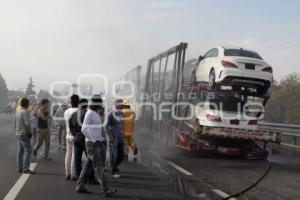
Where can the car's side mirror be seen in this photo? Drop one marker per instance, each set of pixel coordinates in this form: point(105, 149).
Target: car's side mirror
point(200, 58)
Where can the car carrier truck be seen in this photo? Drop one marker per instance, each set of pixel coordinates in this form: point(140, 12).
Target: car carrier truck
point(195, 117)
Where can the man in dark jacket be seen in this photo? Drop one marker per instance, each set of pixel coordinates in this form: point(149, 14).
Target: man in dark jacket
point(115, 129)
point(75, 123)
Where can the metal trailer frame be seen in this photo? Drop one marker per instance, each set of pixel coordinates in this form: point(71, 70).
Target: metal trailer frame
point(158, 86)
point(156, 83)
point(133, 76)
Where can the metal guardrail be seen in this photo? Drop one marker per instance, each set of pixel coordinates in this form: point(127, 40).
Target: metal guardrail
point(290, 132)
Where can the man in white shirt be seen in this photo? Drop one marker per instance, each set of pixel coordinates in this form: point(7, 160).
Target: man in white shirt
point(70, 155)
point(96, 146)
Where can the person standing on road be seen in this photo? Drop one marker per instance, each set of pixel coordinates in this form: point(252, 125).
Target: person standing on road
point(129, 117)
point(23, 132)
point(60, 124)
point(70, 154)
point(96, 149)
point(43, 132)
point(34, 122)
point(75, 124)
point(115, 128)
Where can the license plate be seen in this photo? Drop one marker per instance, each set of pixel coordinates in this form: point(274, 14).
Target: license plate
point(235, 121)
point(242, 133)
point(250, 66)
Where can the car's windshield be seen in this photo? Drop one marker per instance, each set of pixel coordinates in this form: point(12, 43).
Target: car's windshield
point(242, 53)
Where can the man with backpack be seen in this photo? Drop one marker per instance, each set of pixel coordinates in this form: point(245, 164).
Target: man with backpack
point(75, 124)
point(70, 156)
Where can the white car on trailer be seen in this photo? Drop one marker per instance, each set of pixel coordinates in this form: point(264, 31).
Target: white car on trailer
point(236, 67)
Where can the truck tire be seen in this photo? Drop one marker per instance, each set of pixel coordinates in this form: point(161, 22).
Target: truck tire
point(212, 79)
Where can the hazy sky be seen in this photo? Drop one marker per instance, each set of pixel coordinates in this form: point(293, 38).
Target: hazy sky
point(61, 39)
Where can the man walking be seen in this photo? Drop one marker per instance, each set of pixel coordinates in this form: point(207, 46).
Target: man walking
point(70, 155)
point(23, 132)
point(115, 128)
point(95, 147)
point(60, 124)
point(43, 133)
point(75, 124)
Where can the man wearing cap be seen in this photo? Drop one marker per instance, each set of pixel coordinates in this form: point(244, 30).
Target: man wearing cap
point(96, 146)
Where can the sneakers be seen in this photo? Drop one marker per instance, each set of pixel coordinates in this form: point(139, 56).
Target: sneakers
point(67, 177)
point(109, 192)
point(116, 175)
point(74, 178)
point(28, 171)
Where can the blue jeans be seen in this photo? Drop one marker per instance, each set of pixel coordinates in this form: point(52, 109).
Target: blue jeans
point(61, 136)
point(24, 153)
point(117, 147)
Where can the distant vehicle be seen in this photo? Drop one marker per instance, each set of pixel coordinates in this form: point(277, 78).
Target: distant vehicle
point(236, 67)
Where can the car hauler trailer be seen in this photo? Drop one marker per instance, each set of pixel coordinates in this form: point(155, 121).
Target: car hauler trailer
point(192, 117)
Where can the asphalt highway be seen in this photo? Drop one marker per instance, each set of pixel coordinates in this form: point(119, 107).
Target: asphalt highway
point(231, 175)
point(137, 182)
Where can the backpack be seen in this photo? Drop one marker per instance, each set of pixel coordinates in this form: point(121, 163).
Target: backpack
point(75, 128)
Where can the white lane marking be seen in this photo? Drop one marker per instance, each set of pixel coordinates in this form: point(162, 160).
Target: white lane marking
point(222, 194)
point(185, 172)
point(14, 191)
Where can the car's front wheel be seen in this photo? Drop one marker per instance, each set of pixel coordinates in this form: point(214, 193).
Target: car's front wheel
point(212, 79)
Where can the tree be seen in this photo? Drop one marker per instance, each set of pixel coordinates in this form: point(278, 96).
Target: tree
point(3, 92)
point(29, 90)
point(15, 94)
point(284, 104)
point(44, 94)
